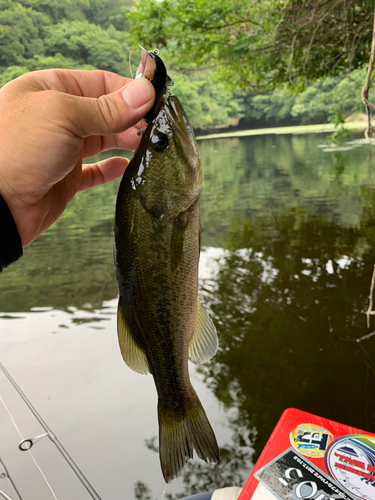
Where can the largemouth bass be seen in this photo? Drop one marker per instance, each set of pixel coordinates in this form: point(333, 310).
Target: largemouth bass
point(160, 319)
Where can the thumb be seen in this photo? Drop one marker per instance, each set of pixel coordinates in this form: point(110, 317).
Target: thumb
point(113, 113)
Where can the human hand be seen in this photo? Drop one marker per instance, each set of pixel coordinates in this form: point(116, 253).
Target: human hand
point(50, 121)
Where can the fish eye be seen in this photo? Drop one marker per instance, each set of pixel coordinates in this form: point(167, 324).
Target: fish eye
point(159, 141)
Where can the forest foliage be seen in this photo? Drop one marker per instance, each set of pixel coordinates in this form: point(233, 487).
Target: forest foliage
point(231, 62)
point(261, 44)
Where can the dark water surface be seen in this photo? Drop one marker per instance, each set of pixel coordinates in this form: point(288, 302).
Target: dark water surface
point(288, 251)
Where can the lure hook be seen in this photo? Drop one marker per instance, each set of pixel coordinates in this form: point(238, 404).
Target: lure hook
point(130, 62)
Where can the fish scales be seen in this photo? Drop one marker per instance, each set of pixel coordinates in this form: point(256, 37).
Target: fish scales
point(154, 296)
point(157, 245)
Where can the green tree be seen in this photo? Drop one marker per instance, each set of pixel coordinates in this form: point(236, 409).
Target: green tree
point(58, 10)
point(207, 105)
point(86, 34)
point(109, 12)
point(12, 72)
point(21, 33)
point(260, 44)
point(271, 108)
point(89, 44)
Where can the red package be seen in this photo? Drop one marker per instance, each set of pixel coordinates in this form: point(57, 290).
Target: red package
point(312, 458)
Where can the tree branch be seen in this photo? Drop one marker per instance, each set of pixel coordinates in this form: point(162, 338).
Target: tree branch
point(366, 88)
point(369, 310)
point(291, 56)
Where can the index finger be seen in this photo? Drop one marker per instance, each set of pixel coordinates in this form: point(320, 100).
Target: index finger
point(89, 83)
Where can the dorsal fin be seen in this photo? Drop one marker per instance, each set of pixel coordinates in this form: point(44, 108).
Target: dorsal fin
point(204, 343)
point(134, 356)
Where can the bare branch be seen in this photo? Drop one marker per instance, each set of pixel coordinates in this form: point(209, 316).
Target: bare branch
point(310, 45)
point(365, 337)
point(369, 310)
point(364, 95)
point(291, 55)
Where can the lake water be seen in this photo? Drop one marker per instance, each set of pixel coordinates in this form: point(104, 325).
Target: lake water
point(288, 251)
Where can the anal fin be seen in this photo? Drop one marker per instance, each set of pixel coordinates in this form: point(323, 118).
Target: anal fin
point(204, 343)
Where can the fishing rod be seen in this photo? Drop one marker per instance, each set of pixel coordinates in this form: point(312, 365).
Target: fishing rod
point(4, 495)
point(26, 444)
point(6, 474)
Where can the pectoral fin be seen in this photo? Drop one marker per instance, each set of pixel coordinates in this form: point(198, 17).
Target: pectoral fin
point(134, 356)
point(204, 343)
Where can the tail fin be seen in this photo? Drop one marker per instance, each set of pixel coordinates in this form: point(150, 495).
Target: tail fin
point(179, 435)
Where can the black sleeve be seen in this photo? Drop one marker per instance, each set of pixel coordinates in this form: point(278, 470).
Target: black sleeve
point(10, 241)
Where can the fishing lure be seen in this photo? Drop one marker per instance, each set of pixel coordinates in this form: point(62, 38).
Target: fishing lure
point(153, 68)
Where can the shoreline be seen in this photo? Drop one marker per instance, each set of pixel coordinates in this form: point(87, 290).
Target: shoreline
point(296, 129)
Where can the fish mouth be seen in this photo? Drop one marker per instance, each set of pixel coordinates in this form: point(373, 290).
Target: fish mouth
point(169, 113)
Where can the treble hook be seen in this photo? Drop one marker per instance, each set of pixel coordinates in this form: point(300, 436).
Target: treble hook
point(26, 444)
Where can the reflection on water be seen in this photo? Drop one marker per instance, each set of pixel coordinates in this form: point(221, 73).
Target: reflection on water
point(288, 237)
point(101, 411)
point(198, 477)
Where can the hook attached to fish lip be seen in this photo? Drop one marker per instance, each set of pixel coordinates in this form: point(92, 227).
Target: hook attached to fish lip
point(153, 68)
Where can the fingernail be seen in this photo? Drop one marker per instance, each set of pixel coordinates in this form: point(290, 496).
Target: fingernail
point(138, 93)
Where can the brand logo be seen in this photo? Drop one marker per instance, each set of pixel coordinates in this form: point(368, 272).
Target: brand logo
point(311, 440)
point(292, 477)
point(351, 461)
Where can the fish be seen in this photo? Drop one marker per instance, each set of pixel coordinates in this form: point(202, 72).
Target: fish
point(161, 321)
